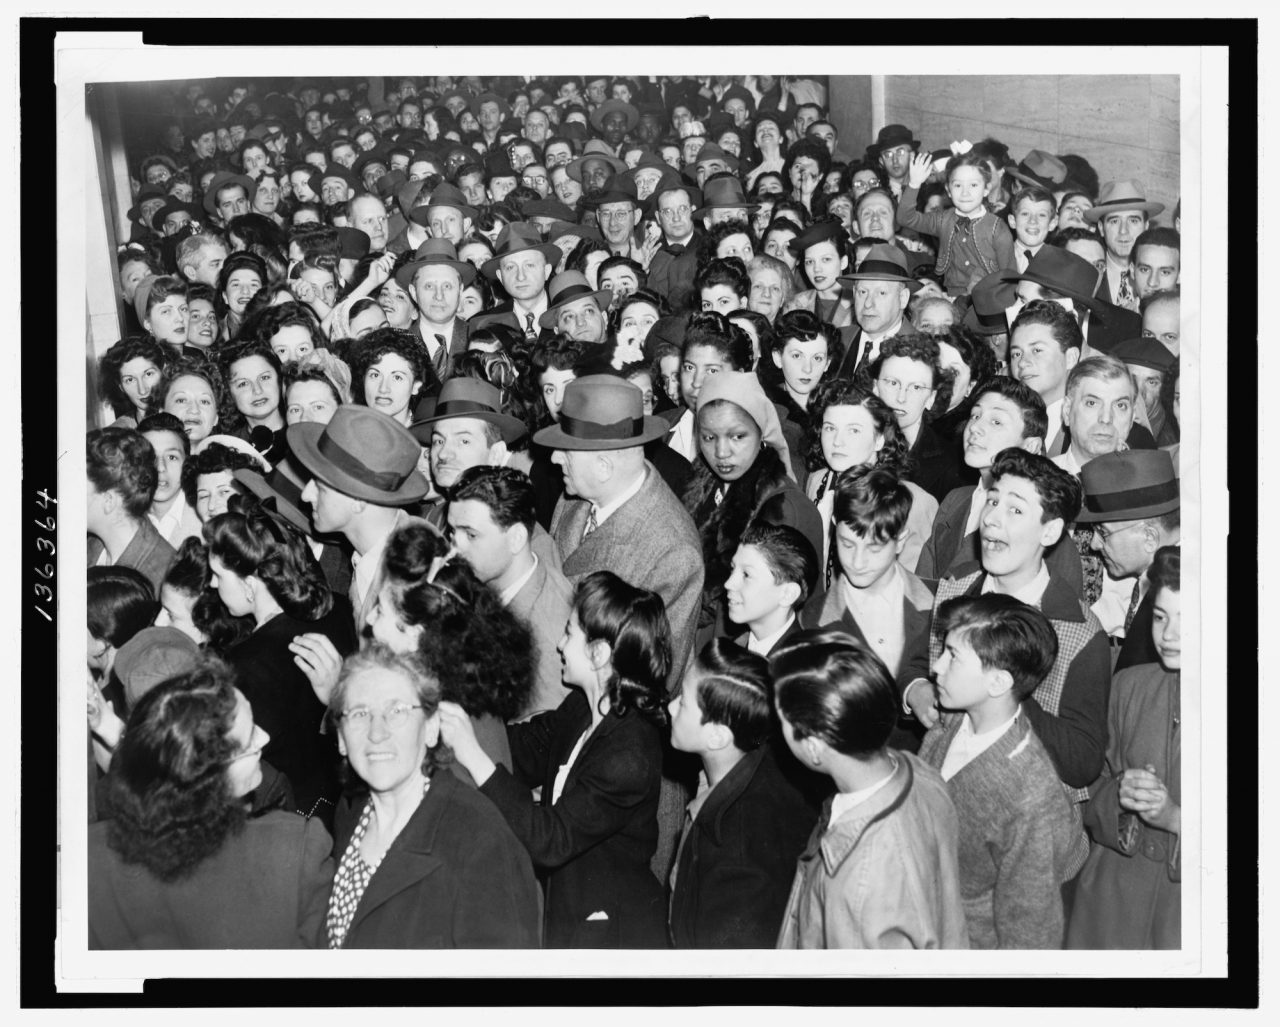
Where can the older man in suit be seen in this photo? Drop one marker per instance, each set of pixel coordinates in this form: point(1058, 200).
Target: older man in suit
point(521, 263)
point(122, 481)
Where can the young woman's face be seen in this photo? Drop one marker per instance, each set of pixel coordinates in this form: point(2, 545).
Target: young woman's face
point(728, 439)
point(244, 771)
point(167, 320)
point(213, 493)
point(397, 305)
point(255, 387)
point(137, 378)
point(202, 324)
point(191, 400)
point(849, 437)
point(232, 589)
point(311, 402)
point(292, 342)
point(751, 593)
point(802, 364)
point(1166, 628)
point(176, 609)
point(367, 320)
point(241, 287)
point(387, 626)
point(575, 655)
point(389, 385)
point(738, 245)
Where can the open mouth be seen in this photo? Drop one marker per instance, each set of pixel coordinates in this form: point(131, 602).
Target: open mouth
point(724, 470)
point(993, 545)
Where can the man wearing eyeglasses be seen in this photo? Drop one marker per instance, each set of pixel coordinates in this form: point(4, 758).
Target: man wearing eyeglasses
point(617, 214)
point(674, 265)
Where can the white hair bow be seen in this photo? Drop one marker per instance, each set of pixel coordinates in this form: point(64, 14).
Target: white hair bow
point(962, 147)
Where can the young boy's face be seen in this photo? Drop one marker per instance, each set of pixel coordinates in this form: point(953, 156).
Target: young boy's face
point(802, 364)
point(688, 732)
point(995, 424)
point(967, 189)
point(862, 559)
point(1013, 531)
point(751, 592)
point(1036, 360)
point(963, 683)
point(1032, 221)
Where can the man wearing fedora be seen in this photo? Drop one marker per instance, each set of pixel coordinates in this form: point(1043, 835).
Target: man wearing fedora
point(893, 149)
point(711, 160)
point(617, 208)
point(724, 200)
point(228, 196)
point(575, 309)
point(1121, 213)
point(596, 166)
point(364, 468)
point(435, 279)
point(1149, 363)
point(617, 514)
point(522, 263)
point(880, 290)
point(337, 184)
point(1131, 499)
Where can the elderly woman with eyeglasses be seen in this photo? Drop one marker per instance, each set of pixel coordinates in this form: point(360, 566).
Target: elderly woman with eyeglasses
point(424, 861)
point(185, 861)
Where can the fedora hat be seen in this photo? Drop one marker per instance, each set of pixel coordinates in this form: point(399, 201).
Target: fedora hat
point(549, 207)
point(518, 237)
point(277, 492)
point(559, 229)
point(363, 454)
point(988, 301)
point(621, 188)
point(649, 159)
point(602, 411)
point(597, 116)
point(883, 263)
point(150, 192)
point(446, 194)
point(431, 253)
point(1145, 352)
point(710, 151)
point(172, 205)
point(1064, 272)
point(596, 149)
point(354, 243)
point(1128, 486)
point(469, 397)
point(721, 193)
point(1040, 168)
point(217, 182)
point(374, 156)
point(407, 196)
point(893, 135)
point(1127, 194)
point(568, 286)
point(151, 657)
point(389, 184)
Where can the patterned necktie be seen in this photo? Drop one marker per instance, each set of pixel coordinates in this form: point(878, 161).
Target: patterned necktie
point(1133, 608)
point(1125, 297)
point(591, 524)
point(529, 331)
point(440, 362)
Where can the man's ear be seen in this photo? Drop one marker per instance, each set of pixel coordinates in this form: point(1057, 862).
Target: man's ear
point(1052, 531)
point(998, 682)
point(904, 297)
point(1033, 444)
point(790, 594)
point(188, 272)
point(516, 538)
point(498, 454)
point(466, 226)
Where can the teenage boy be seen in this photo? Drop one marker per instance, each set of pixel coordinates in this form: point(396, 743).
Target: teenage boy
point(1029, 505)
point(1018, 839)
point(1156, 261)
point(771, 575)
point(1044, 345)
point(1034, 215)
point(748, 823)
point(170, 512)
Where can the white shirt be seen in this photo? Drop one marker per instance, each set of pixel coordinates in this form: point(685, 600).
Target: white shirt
point(1113, 605)
point(1067, 461)
point(513, 590)
point(681, 439)
point(170, 523)
point(365, 565)
point(1020, 254)
point(763, 645)
point(966, 747)
point(879, 615)
point(1031, 593)
point(603, 513)
point(562, 774)
point(537, 310)
point(843, 803)
point(976, 506)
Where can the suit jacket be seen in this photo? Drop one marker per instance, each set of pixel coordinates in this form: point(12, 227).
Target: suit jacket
point(671, 273)
point(454, 878)
point(593, 847)
point(267, 887)
point(1139, 647)
point(442, 362)
point(544, 603)
point(855, 355)
point(738, 857)
point(651, 543)
point(948, 546)
point(503, 314)
point(146, 552)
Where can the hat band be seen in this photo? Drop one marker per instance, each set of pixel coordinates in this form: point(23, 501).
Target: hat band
point(578, 428)
point(1130, 499)
point(1042, 179)
point(990, 320)
point(879, 267)
point(1124, 201)
point(348, 463)
point(572, 292)
point(460, 408)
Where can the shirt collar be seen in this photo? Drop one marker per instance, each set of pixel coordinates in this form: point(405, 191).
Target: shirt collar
point(1031, 593)
point(513, 590)
point(603, 513)
point(769, 641)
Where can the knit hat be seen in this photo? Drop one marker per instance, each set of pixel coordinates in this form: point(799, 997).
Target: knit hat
point(744, 389)
point(151, 657)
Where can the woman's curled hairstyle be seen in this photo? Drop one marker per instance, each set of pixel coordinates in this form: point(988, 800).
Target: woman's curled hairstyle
point(168, 786)
point(634, 623)
point(253, 540)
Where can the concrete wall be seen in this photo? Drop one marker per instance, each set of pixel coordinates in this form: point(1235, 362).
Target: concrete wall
point(1126, 126)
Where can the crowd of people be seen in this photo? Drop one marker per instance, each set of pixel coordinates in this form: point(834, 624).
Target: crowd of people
point(592, 512)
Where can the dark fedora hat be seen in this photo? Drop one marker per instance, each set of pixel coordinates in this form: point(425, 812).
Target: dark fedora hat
point(893, 135)
point(354, 243)
point(374, 156)
point(469, 397)
point(596, 149)
point(516, 238)
point(1127, 486)
point(710, 151)
point(597, 116)
point(173, 205)
point(389, 185)
point(602, 411)
point(988, 301)
point(1145, 352)
point(431, 253)
point(1063, 272)
point(883, 263)
point(219, 180)
point(548, 207)
point(149, 192)
point(363, 454)
point(278, 492)
point(446, 194)
point(559, 229)
point(568, 286)
point(1040, 168)
point(407, 195)
point(721, 193)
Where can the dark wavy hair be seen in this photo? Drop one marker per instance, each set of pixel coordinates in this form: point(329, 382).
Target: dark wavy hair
point(270, 320)
point(894, 455)
point(483, 654)
point(978, 356)
point(367, 351)
point(1060, 492)
point(121, 602)
point(734, 689)
point(1166, 570)
point(633, 622)
point(168, 787)
point(213, 458)
point(812, 149)
point(112, 362)
point(1005, 634)
point(241, 261)
point(121, 459)
point(832, 687)
point(250, 539)
point(189, 574)
point(196, 367)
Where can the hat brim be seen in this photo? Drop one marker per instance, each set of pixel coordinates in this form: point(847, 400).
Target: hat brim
point(702, 212)
point(549, 250)
point(258, 485)
point(1136, 513)
point(1044, 183)
point(910, 283)
point(404, 276)
point(1101, 210)
point(511, 428)
point(977, 327)
point(304, 439)
point(603, 298)
point(1094, 304)
point(419, 213)
point(574, 168)
point(597, 118)
point(555, 437)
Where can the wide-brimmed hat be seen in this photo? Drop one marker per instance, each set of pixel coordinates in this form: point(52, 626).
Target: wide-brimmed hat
point(374, 156)
point(1127, 194)
point(516, 238)
point(988, 300)
point(710, 151)
point(568, 286)
point(336, 170)
point(602, 411)
point(1040, 168)
point(172, 206)
point(277, 492)
point(469, 397)
point(152, 657)
point(363, 454)
point(891, 136)
point(596, 149)
point(621, 188)
point(1064, 272)
point(649, 159)
point(476, 102)
point(446, 194)
point(721, 193)
point(435, 252)
point(217, 182)
point(1145, 352)
point(1128, 486)
point(597, 116)
point(884, 263)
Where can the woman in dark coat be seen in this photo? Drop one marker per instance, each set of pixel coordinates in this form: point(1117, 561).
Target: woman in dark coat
point(424, 861)
point(261, 566)
point(598, 761)
point(183, 863)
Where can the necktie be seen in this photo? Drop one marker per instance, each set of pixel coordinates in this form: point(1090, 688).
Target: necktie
point(1133, 607)
point(1027, 254)
point(591, 524)
point(1125, 298)
point(440, 362)
point(529, 331)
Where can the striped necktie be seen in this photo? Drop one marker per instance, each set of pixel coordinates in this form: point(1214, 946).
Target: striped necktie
point(591, 524)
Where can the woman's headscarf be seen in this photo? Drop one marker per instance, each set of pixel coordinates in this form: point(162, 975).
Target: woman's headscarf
point(744, 389)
